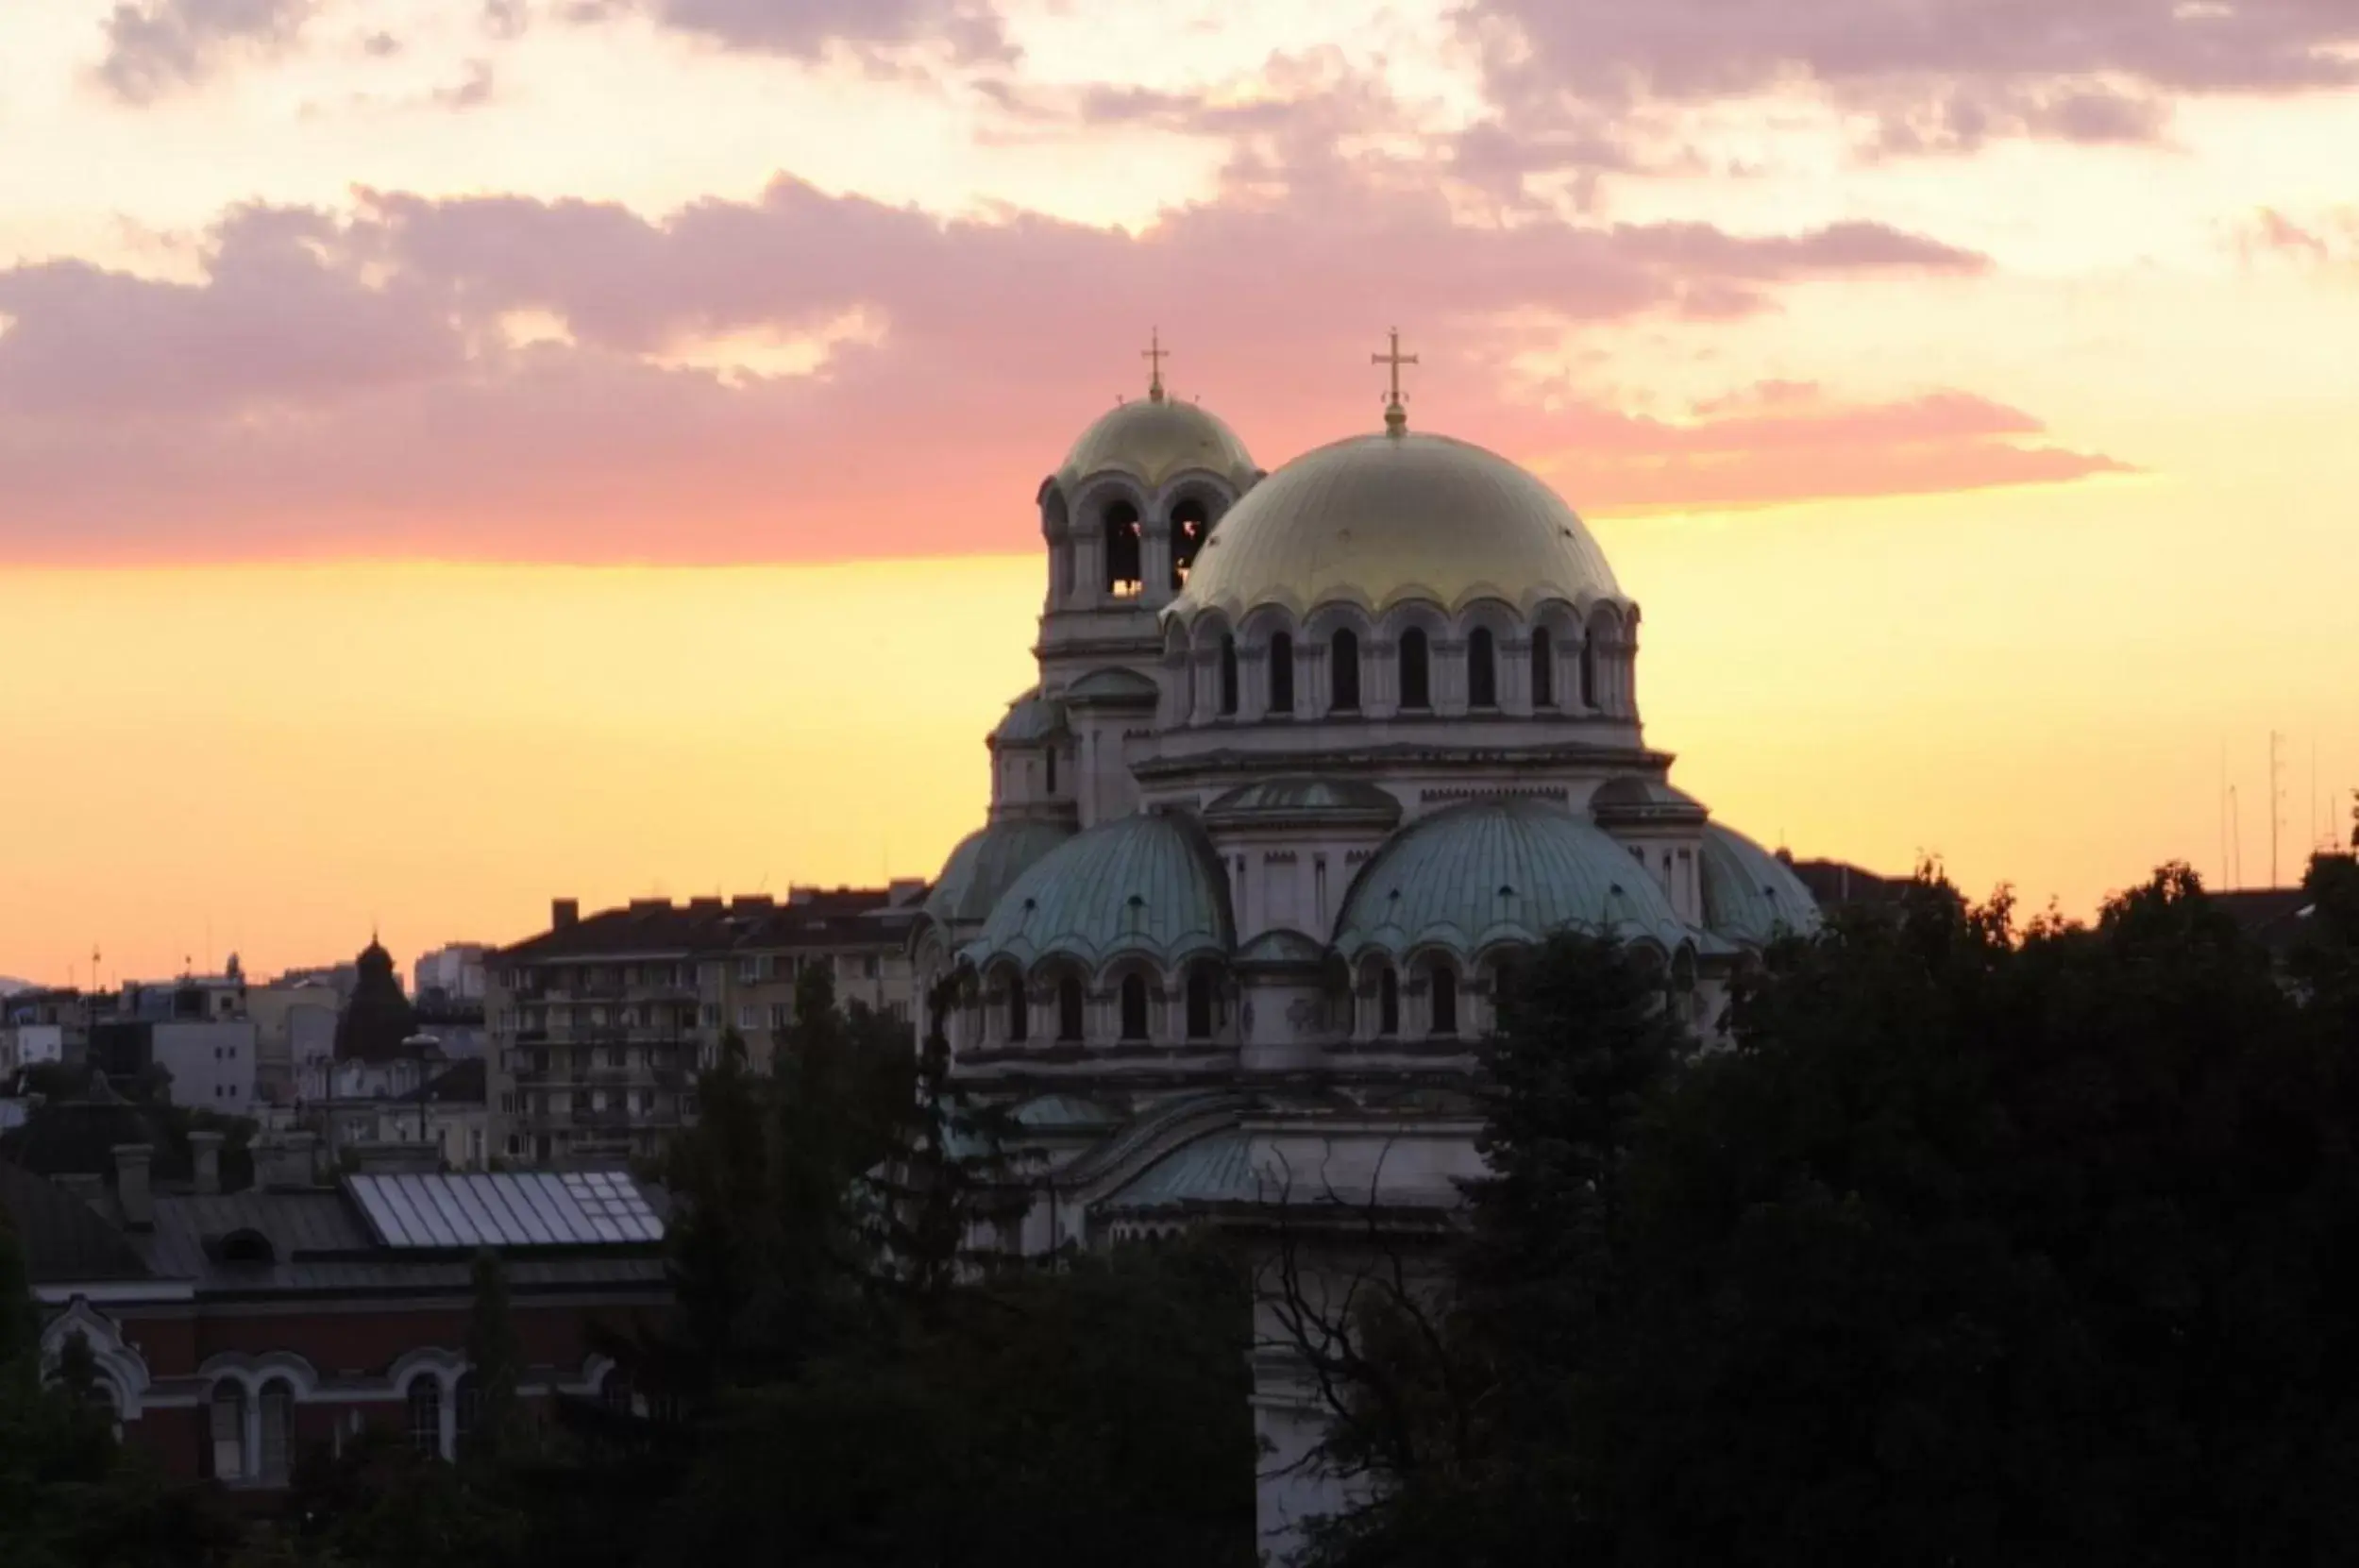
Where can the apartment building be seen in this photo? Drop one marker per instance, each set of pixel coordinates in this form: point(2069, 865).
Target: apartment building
point(598, 1025)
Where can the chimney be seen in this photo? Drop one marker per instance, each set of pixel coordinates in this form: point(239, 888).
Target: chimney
point(205, 1154)
point(564, 913)
point(284, 1159)
point(298, 1158)
point(131, 1194)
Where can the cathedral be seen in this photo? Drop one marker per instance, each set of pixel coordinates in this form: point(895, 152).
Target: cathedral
point(1316, 756)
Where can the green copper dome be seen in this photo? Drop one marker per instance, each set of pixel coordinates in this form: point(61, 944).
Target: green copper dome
point(1502, 870)
point(1750, 896)
point(984, 865)
point(1146, 883)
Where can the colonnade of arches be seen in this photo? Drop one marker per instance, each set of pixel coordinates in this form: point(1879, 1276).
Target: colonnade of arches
point(1117, 543)
point(1341, 663)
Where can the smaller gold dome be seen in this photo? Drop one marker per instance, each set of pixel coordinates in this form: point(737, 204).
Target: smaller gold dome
point(1155, 438)
point(1377, 519)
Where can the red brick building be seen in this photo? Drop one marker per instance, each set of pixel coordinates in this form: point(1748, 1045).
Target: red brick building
point(232, 1331)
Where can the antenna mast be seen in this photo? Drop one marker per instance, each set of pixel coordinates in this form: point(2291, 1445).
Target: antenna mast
point(2276, 800)
point(2235, 842)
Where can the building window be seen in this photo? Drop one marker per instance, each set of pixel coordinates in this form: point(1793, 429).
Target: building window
point(1050, 756)
point(425, 1415)
point(1133, 1007)
point(1200, 1003)
point(782, 1016)
point(1019, 1010)
point(1388, 1003)
point(278, 1412)
point(1344, 672)
point(1442, 988)
point(748, 971)
point(228, 1431)
point(1482, 670)
point(749, 1017)
point(1068, 1009)
point(868, 967)
point(1544, 670)
point(1414, 692)
point(1281, 674)
point(1228, 676)
point(1122, 578)
point(1589, 676)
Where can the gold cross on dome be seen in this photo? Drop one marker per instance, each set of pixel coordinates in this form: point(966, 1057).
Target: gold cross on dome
point(1395, 416)
point(1157, 353)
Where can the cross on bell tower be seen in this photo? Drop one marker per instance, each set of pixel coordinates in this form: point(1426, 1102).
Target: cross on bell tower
point(1395, 416)
point(1155, 353)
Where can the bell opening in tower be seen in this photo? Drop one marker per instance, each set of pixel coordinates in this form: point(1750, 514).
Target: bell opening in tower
point(1191, 523)
point(1124, 579)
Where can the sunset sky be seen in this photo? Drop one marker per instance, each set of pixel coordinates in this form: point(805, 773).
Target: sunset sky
point(458, 452)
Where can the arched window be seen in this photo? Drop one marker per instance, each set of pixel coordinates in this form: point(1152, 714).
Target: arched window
point(1589, 674)
point(425, 1415)
point(1281, 674)
point(1122, 549)
point(1344, 672)
point(1050, 754)
point(1069, 1013)
point(1441, 987)
point(1482, 670)
point(228, 1430)
point(278, 1435)
point(1543, 668)
point(1228, 676)
point(1133, 1007)
point(1200, 1003)
point(1387, 1001)
point(1414, 693)
point(1191, 523)
point(1019, 1010)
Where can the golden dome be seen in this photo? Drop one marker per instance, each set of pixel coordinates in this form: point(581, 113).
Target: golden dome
point(1155, 438)
point(1377, 519)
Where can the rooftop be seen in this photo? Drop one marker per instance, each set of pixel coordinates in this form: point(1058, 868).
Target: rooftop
point(810, 918)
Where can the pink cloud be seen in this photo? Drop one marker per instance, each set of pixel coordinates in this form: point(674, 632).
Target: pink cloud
point(1782, 442)
point(344, 386)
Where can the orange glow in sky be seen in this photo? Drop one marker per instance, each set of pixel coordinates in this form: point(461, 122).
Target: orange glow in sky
point(452, 460)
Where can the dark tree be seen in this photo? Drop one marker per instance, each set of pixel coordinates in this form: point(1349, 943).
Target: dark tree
point(1976, 1246)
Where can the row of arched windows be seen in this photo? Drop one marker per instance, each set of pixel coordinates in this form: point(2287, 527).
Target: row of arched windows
point(1413, 668)
point(1019, 1020)
point(251, 1441)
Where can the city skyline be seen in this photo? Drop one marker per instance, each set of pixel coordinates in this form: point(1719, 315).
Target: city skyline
point(433, 491)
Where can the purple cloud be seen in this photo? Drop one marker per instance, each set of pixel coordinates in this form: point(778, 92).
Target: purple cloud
point(364, 383)
point(808, 29)
point(1936, 75)
point(155, 47)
